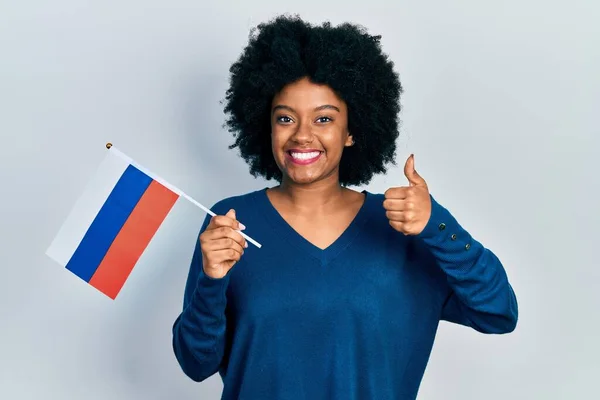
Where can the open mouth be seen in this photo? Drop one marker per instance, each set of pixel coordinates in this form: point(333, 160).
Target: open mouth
point(304, 157)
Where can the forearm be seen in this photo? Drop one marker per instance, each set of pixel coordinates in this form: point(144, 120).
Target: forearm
point(481, 295)
point(199, 331)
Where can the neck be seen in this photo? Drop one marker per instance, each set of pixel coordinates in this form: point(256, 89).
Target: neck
point(316, 197)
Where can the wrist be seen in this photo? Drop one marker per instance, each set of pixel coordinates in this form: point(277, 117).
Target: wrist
point(215, 273)
point(439, 219)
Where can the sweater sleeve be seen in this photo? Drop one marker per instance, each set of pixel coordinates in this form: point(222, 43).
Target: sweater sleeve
point(199, 330)
point(480, 295)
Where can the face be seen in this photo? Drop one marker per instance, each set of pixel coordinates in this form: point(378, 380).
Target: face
point(309, 130)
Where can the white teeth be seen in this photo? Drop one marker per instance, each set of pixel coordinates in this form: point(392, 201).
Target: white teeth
point(305, 156)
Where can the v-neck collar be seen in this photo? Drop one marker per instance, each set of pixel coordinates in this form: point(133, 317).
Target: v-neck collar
point(324, 256)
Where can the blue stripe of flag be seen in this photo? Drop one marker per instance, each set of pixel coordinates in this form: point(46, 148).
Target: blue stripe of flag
point(109, 221)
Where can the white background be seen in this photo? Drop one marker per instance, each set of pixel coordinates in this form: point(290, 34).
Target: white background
point(500, 107)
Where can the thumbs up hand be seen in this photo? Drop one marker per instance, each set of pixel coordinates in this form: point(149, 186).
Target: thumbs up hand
point(408, 208)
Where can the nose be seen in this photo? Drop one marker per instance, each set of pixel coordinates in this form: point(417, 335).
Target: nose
point(303, 133)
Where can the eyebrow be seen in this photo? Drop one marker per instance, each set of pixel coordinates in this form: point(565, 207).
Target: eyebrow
point(320, 108)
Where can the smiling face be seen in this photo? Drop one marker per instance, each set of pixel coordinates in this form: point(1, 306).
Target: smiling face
point(309, 130)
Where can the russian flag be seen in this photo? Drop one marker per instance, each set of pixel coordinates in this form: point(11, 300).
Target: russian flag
point(112, 223)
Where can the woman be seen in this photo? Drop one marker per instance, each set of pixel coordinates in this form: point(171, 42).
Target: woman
point(344, 298)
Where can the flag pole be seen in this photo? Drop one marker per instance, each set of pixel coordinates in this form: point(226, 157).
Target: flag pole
point(174, 189)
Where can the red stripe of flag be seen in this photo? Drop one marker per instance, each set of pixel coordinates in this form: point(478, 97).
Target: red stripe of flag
point(133, 238)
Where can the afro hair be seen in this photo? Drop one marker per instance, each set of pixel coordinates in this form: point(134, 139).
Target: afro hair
point(345, 58)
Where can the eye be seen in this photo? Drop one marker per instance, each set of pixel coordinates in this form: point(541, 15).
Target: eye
point(284, 119)
point(324, 120)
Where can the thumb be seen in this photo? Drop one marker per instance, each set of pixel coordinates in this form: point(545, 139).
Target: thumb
point(231, 214)
point(411, 174)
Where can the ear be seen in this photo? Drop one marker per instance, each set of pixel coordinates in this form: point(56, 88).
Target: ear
point(349, 141)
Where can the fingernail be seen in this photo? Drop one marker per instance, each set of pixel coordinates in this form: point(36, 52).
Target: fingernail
point(246, 245)
point(242, 226)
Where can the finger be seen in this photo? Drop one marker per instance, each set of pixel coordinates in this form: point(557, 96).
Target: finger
point(227, 232)
point(221, 220)
point(411, 174)
point(398, 205)
point(222, 232)
point(397, 193)
point(228, 219)
point(231, 214)
point(398, 216)
point(224, 243)
point(409, 170)
point(399, 226)
point(223, 256)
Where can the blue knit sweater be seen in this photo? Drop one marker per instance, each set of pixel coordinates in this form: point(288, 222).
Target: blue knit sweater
point(354, 321)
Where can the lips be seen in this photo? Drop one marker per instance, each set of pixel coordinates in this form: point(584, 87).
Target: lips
point(304, 157)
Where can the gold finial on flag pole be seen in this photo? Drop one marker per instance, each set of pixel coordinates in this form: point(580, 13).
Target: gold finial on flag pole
point(108, 145)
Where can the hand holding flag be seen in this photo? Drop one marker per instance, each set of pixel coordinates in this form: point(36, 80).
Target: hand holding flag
point(222, 245)
point(408, 208)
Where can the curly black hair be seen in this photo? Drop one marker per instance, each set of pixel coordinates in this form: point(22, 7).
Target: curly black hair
point(344, 57)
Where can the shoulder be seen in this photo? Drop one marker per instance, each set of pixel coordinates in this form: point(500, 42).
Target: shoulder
point(238, 202)
point(374, 203)
point(243, 204)
point(374, 212)
point(375, 198)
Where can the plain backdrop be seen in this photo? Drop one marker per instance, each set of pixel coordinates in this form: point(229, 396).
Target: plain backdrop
point(500, 108)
